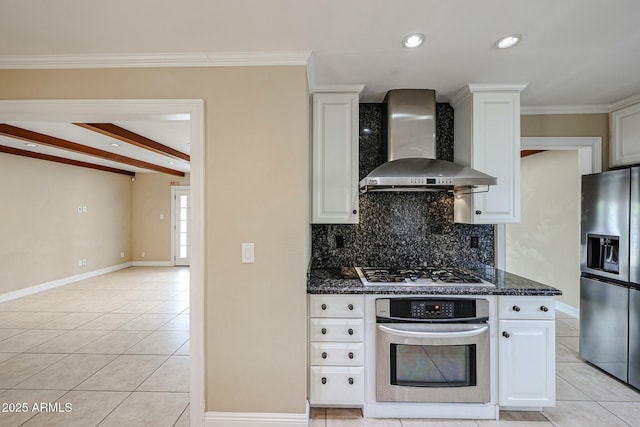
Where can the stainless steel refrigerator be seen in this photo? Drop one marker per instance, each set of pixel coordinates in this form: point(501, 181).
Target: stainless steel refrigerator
point(610, 273)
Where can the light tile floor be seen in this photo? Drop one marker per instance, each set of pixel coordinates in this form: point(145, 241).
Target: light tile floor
point(114, 349)
point(586, 397)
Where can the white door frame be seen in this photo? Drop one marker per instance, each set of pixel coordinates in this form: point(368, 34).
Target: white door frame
point(99, 111)
point(589, 161)
point(174, 217)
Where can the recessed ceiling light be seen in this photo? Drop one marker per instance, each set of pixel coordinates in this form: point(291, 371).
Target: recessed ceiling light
point(170, 162)
point(508, 41)
point(114, 144)
point(31, 144)
point(413, 40)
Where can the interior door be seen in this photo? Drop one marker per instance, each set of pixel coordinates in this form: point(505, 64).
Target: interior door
point(181, 201)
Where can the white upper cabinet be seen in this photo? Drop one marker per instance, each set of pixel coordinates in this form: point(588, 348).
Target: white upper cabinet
point(335, 158)
point(487, 138)
point(625, 136)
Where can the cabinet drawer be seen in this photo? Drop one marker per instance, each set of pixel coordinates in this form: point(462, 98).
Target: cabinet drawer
point(336, 330)
point(336, 354)
point(336, 306)
point(527, 308)
point(336, 385)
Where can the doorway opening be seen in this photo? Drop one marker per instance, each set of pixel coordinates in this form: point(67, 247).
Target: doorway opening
point(105, 111)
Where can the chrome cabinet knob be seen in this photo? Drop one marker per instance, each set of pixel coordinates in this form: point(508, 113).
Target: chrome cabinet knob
point(355, 211)
point(350, 331)
point(324, 380)
point(350, 306)
point(543, 308)
point(506, 334)
point(350, 355)
point(351, 381)
point(324, 354)
point(515, 308)
point(324, 331)
point(478, 212)
point(323, 306)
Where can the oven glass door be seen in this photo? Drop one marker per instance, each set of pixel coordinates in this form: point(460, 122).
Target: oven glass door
point(432, 363)
point(433, 366)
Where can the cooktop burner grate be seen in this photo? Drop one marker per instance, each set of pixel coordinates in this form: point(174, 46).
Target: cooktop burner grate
point(418, 276)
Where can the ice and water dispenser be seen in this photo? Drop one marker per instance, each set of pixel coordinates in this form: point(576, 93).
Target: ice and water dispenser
point(602, 253)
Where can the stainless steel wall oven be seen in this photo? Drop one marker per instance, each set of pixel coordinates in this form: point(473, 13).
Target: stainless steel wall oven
point(432, 350)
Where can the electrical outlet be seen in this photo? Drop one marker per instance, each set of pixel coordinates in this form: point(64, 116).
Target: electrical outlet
point(79, 209)
point(121, 254)
point(80, 263)
point(142, 254)
point(84, 262)
point(84, 209)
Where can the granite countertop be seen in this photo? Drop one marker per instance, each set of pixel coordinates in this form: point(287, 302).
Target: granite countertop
point(345, 280)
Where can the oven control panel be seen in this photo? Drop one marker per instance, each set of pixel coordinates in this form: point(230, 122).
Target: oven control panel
point(431, 309)
point(425, 309)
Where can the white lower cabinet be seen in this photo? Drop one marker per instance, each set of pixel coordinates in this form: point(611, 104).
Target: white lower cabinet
point(336, 350)
point(526, 352)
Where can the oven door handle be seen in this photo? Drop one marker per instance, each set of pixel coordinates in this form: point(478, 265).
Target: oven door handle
point(419, 334)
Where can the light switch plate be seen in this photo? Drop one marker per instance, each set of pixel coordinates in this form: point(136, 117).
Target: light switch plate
point(248, 253)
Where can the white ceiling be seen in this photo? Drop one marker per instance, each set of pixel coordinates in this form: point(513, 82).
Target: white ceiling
point(575, 53)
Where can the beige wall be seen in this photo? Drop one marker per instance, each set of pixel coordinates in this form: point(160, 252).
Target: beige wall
point(257, 190)
point(564, 125)
point(151, 199)
point(545, 245)
point(44, 236)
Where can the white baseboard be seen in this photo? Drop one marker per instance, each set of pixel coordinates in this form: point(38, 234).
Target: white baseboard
point(568, 309)
point(152, 264)
point(251, 419)
point(8, 296)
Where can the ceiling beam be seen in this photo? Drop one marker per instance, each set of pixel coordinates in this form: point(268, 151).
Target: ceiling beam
point(51, 141)
point(124, 135)
point(56, 159)
point(525, 153)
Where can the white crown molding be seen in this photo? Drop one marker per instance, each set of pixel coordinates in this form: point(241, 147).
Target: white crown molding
point(466, 91)
point(338, 88)
point(202, 59)
point(497, 87)
point(625, 102)
point(565, 109)
point(581, 109)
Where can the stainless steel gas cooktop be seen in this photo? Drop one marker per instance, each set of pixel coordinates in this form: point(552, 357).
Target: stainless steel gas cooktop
point(419, 276)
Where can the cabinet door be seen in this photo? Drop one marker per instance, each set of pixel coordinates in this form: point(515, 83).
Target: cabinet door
point(487, 139)
point(335, 158)
point(625, 136)
point(527, 363)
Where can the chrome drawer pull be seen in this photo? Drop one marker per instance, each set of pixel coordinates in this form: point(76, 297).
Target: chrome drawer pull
point(350, 306)
point(350, 331)
point(351, 381)
point(324, 354)
point(515, 308)
point(506, 334)
point(323, 306)
point(324, 331)
point(350, 355)
point(324, 380)
point(543, 308)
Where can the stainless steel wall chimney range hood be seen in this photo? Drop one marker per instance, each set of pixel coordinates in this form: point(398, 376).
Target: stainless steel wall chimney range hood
point(411, 150)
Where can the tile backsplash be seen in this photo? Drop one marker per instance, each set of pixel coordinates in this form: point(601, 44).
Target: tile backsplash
point(402, 229)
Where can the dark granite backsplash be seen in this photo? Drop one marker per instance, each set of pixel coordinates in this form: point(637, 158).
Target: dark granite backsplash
point(402, 229)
